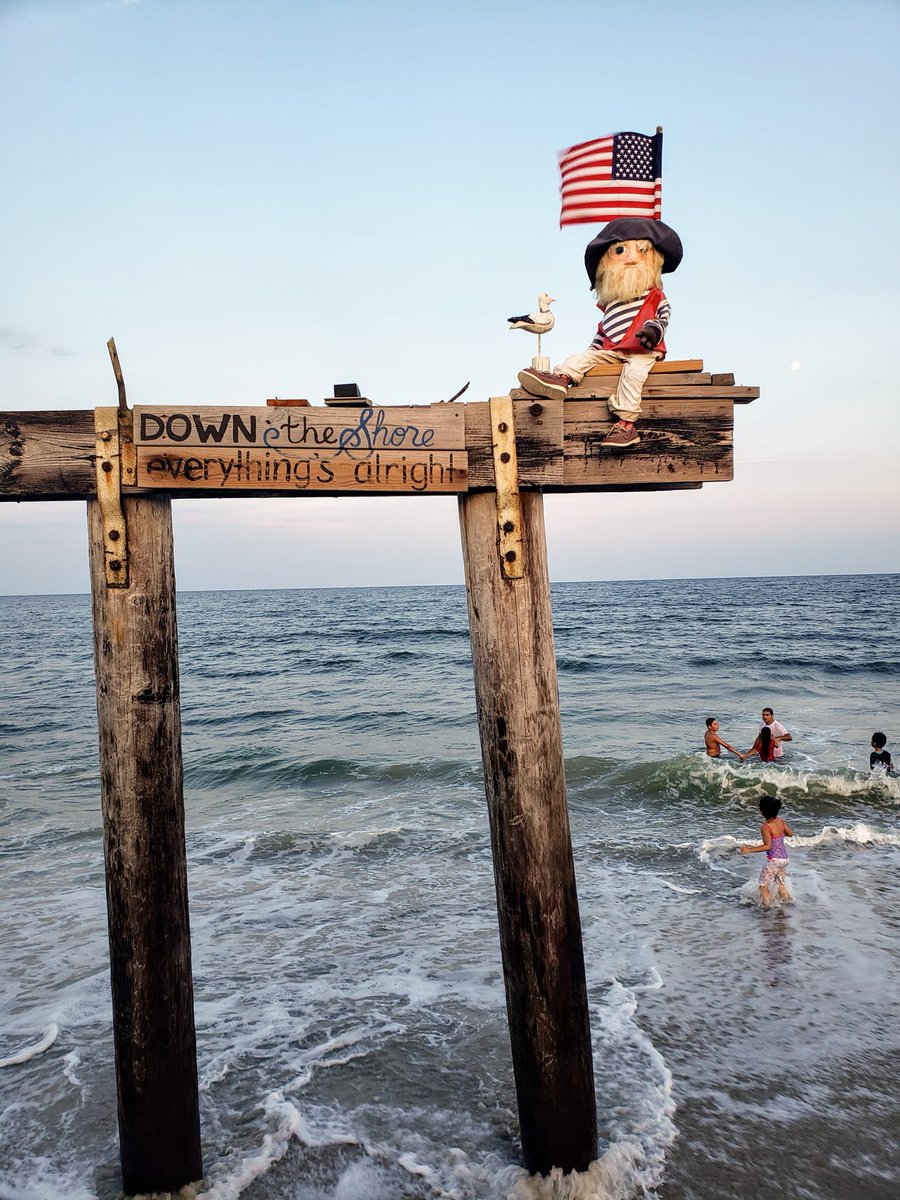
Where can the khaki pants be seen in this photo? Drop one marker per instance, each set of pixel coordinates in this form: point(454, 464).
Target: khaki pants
point(625, 402)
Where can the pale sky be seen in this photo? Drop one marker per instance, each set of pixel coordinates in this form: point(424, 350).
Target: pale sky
point(268, 198)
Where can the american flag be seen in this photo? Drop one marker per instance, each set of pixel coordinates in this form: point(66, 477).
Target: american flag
point(610, 177)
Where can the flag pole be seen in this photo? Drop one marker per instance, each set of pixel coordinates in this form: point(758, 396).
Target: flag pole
point(659, 141)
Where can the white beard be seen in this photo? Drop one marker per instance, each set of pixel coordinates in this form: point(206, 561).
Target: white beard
point(624, 282)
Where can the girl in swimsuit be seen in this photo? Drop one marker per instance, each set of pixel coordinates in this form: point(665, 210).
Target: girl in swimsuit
point(774, 831)
point(764, 746)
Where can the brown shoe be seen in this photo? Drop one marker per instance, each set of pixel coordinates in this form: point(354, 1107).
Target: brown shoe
point(542, 383)
point(619, 437)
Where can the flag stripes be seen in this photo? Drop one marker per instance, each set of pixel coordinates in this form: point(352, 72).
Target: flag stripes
point(615, 176)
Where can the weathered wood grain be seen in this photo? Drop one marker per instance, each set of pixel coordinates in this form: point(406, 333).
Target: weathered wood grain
point(712, 392)
point(694, 446)
point(139, 721)
point(47, 455)
point(695, 379)
point(539, 443)
point(511, 627)
point(672, 387)
point(50, 455)
point(664, 367)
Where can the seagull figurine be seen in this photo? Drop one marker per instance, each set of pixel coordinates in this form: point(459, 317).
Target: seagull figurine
point(538, 322)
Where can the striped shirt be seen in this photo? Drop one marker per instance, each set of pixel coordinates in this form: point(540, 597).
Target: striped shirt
point(618, 315)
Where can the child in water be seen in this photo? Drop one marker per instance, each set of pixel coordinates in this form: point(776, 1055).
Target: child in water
point(879, 756)
point(764, 746)
point(774, 831)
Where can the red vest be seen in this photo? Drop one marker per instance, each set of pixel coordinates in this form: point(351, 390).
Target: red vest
point(629, 343)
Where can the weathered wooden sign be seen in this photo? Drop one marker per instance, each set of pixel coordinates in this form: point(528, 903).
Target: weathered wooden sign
point(420, 449)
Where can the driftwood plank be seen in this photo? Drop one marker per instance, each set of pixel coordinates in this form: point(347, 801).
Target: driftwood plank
point(735, 394)
point(664, 390)
point(694, 378)
point(675, 387)
point(660, 368)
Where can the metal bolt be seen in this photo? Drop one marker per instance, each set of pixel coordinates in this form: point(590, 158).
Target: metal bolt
point(107, 466)
point(508, 526)
point(115, 565)
point(510, 556)
point(502, 427)
point(105, 435)
point(114, 535)
point(504, 457)
point(536, 410)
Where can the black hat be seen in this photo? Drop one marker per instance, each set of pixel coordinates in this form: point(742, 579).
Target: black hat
point(628, 229)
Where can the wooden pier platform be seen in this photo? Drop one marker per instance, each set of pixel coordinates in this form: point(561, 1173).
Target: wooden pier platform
point(497, 457)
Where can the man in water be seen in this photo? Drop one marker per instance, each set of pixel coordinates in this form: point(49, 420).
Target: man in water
point(778, 731)
point(714, 742)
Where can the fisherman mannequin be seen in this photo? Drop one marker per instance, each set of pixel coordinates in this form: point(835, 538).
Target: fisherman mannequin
point(624, 263)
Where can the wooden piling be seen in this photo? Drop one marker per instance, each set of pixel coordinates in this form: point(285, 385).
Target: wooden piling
point(511, 628)
point(138, 709)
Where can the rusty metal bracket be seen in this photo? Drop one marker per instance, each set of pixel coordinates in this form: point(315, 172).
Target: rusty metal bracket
point(506, 478)
point(109, 495)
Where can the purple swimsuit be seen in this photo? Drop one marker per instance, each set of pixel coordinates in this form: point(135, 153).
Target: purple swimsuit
point(777, 848)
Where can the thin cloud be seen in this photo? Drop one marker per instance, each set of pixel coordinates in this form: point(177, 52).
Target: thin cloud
point(14, 339)
point(20, 342)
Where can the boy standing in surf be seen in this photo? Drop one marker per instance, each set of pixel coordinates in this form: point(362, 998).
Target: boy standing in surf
point(773, 831)
point(714, 742)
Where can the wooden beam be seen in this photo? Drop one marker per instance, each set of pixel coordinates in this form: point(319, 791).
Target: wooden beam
point(214, 451)
point(138, 712)
point(539, 443)
point(511, 627)
point(47, 455)
point(695, 446)
point(672, 387)
point(663, 367)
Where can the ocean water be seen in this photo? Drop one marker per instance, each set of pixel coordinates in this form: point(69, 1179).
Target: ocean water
point(351, 1023)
